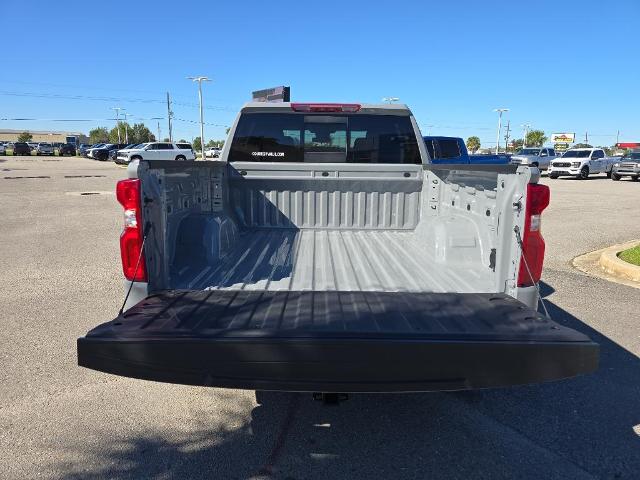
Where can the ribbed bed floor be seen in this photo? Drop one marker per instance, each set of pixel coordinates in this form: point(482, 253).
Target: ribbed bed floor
point(326, 260)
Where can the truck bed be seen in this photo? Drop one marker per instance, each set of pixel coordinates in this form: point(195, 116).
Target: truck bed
point(336, 341)
point(347, 260)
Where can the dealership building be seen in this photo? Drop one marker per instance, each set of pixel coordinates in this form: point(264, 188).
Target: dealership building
point(42, 136)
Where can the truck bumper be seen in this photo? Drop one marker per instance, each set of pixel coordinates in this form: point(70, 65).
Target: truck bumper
point(564, 171)
point(336, 341)
point(139, 291)
point(623, 172)
point(528, 296)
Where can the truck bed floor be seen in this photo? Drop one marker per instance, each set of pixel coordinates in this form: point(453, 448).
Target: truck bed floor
point(335, 260)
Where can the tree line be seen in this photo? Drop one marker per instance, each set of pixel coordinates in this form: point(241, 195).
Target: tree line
point(136, 133)
point(535, 138)
point(139, 133)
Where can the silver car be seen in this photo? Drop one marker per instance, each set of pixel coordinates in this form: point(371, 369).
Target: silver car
point(540, 157)
point(44, 148)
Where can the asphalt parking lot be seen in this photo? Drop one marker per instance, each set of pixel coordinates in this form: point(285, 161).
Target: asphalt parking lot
point(60, 272)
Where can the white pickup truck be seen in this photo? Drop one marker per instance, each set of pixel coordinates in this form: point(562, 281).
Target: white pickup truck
point(324, 252)
point(582, 162)
point(156, 151)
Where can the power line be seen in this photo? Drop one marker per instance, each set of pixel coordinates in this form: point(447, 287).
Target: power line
point(77, 97)
point(58, 96)
point(193, 121)
point(93, 87)
point(84, 87)
point(72, 119)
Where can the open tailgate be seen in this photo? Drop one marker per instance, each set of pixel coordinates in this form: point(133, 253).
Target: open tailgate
point(336, 341)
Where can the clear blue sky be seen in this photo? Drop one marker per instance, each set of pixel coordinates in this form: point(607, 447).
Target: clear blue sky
point(560, 66)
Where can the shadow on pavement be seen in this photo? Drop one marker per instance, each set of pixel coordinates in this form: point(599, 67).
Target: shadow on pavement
point(593, 176)
point(578, 428)
point(545, 289)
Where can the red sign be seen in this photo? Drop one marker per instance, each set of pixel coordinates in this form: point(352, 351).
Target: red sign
point(628, 145)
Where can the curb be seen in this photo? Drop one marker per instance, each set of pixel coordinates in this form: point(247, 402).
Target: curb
point(611, 264)
point(590, 264)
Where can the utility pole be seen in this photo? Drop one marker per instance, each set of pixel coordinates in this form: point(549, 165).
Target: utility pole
point(117, 109)
point(506, 136)
point(200, 80)
point(500, 111)
point(586, 137)
point(526, 127)
point(617, 137)
point(159, 137)
point(126, 127)
point(169, 117)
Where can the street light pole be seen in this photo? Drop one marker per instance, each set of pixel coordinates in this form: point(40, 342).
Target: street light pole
point(200, 80)
point(499, 110)
point(117, 109)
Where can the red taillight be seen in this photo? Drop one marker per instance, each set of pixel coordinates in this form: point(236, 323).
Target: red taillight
point(532, 241)
point(325, 107)
point(128, 194)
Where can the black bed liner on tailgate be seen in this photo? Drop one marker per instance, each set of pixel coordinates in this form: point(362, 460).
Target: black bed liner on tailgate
point(336, 341)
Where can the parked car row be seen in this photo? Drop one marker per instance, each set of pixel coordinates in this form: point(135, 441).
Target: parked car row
point(38, 148)
point(576, 162)
point(123, 153)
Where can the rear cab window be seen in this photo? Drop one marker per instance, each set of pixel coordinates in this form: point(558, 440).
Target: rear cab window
point(449, 148)
point(328, 138)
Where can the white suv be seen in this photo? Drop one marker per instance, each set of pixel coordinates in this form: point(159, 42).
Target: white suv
point(581, 162)
point(156, 151)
